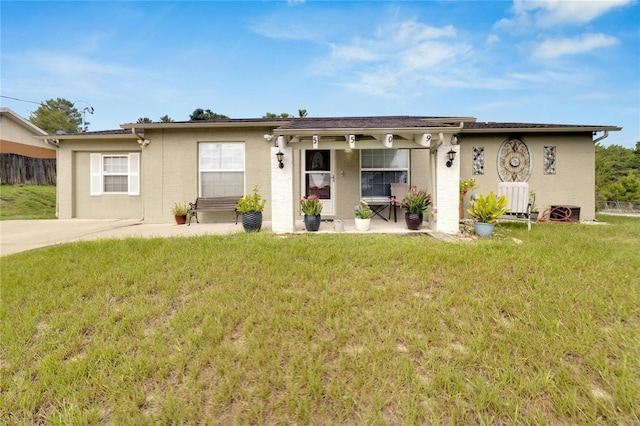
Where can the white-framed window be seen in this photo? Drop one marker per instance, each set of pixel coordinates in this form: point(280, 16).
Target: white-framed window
point(221, 169)
point(381, 167)
point(115, 174)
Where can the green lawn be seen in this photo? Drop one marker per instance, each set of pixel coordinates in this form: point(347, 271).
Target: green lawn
point(327, 329)
point(27, 202)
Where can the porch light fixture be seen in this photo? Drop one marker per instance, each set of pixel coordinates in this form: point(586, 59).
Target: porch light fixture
point(280, 156)
point(451, 155)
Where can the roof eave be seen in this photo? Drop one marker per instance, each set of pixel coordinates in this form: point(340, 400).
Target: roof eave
point(569, 129)
point(81, 136)
point(361, 130)
point(201, 125)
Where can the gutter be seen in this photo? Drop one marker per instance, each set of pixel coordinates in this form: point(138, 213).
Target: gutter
point(604, 136)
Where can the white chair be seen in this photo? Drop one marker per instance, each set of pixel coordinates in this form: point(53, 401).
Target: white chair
point(399, 191)
point(517, 194)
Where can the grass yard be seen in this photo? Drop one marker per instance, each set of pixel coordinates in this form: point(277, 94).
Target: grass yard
point(327, 329)
point(27, 202)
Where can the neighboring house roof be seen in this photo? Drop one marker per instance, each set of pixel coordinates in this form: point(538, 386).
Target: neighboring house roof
point(100, 134)
point(21, 121)
point(20, 137)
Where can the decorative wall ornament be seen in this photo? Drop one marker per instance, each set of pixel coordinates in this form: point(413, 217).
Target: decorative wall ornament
point(478, 160)
point(514, 160)
point(549, 160)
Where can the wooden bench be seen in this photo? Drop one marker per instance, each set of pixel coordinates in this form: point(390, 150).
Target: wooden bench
point(519, 206)
point(212, 204)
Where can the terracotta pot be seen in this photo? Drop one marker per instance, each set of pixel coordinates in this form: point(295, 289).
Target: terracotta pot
point(413, 220)
point(312, 223)
point(181, 220)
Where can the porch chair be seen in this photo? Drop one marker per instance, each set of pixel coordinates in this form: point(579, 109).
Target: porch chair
point(399, 191)
point(517, 194)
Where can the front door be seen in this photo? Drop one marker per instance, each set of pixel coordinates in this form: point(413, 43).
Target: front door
point(317, 170)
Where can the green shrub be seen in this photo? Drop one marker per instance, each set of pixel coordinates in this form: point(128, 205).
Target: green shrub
point(488, 209)
point(251, 202)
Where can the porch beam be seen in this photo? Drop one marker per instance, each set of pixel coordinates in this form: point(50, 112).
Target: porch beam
point(423, 140)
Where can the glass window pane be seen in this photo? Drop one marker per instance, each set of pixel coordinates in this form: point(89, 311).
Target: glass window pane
point(116, 164)
point(392, 167)
point(222, 184)
point(318, 160)
point(221, 169)
point(116, 184)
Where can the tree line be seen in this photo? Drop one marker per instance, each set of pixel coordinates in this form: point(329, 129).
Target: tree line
point(61, 115)
point(618, 173)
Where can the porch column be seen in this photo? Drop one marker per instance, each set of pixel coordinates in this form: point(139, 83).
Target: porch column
point(282, 200)
point(447, 190)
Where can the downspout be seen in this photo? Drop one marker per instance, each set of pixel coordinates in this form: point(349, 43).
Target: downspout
point(604, 136)
point(142, 142)
point(56, 144)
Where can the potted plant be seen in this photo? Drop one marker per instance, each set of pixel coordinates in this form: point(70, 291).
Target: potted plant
point(363, 216)
point(251, 207)
point(179, 211)
point(466, 185)
point(415, 204)
point(311, 208)
point(486, 211)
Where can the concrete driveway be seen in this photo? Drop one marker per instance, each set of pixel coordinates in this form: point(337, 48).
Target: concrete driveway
point(22, 235)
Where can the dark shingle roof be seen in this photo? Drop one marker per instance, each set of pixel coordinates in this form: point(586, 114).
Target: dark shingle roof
point(369, 122)
point(496, 126)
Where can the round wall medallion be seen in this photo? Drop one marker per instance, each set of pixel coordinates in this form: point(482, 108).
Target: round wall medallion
point(514, 161)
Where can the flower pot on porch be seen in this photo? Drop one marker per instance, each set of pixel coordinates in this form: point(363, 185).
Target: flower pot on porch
point(413, 220)
point(252, 221)
point(362, 225)
point(312, 222)
point(181, 219)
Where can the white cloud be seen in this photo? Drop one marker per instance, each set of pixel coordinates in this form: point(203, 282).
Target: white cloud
point(396, 58)
point(550, 13)
point(354, 52)
point(492, 39)
point(553, 48)
point(65, 64)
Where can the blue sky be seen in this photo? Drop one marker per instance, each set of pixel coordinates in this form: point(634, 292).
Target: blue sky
point(566, 62)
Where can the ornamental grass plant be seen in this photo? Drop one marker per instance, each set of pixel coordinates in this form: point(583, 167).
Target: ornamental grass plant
point(311, 205)
point(416, 201)
point(487, 209)
point(217, 330)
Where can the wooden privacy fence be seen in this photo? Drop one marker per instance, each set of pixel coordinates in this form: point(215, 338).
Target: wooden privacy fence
point(18, 169)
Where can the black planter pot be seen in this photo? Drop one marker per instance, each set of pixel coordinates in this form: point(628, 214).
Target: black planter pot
point(252, 222)
point(312, 223)
point(413, 220)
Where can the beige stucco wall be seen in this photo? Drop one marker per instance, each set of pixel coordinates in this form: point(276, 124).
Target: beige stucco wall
point(74, 176)
point(170, 169)
point(573, 183)
point(169, 172)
